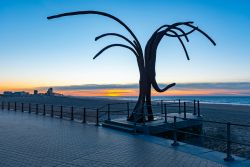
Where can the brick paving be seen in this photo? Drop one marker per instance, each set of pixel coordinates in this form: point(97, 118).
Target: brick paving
point(34, 140)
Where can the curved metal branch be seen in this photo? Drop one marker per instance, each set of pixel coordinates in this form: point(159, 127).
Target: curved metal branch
point(98, 13)
point(158, 89)
point(202, 32)
point(183, 45)
point(169, 28)
point(112, 45)
point(139, 51)
point(179, 29)
point(183, 33)
point(174, 25)
point(118, 35)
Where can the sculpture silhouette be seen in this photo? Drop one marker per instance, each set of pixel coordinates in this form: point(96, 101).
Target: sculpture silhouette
point(146, 61)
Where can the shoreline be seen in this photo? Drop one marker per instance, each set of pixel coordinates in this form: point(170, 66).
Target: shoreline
point(134, 99)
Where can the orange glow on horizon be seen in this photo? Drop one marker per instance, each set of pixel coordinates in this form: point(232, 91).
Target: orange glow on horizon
point(134, 92)
point(101, 92)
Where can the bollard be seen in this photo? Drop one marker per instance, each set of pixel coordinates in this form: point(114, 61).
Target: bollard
point(108, 112)
point(175, 143)
point(199, 113)
point(52, 111)
point(84, 116)
point(97, 117)
point(229, 156)
point(179, 106)
point(61, 111)
point(22, 107)
point(194, 107)
point(44, 109)
point(2, 105)
point(29, 108)
point(127, 110)
point(165, 113)
point(8, 105)
point(15, 107)
point(72, 113)
point(161, 106)
point(185, 111)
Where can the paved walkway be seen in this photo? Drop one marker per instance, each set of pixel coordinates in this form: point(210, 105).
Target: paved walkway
point(34, 140)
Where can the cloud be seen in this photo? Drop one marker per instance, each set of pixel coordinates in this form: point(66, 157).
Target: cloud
point(222, 85)
point(183, 86)
point(96, 86)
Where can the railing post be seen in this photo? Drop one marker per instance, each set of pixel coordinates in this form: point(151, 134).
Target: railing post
point(199, 112)
point(179, 106)
point(15, 107)
point(8, 105)
point(229, 156)
point(185, 111)
point(84, 116)
point(29, 108)
point(61, 111)
point(2, 105)
point(52, 111)
point(36, 108)
point(165, 113)
point(72, 113)
point(44, 109)
point(175, 143)
point(97, 117)
point(127, 110)
point(109, 112)
point(22, 107)
point(161, 106)
point(194, 107)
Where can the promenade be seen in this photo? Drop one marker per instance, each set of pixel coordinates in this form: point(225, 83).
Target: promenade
point(35, 140)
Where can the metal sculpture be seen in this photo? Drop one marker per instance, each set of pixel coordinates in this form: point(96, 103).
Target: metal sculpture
point(146, 62)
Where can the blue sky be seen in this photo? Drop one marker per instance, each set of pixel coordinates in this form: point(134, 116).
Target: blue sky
point(36, 52)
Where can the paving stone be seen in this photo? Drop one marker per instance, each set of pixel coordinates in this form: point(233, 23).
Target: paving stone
point(35, 140)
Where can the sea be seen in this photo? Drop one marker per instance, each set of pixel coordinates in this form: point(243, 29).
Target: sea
point(233, 100)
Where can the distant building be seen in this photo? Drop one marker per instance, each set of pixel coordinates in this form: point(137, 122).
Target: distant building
point(7, 93)
point(50, 92)
point(21, 93)
point(15, 94)
point(35, 92)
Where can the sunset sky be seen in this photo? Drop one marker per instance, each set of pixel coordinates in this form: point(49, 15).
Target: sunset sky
point(36, 53)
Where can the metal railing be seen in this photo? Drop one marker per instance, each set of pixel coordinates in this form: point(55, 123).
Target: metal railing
point(90, 114)
point(82, 114)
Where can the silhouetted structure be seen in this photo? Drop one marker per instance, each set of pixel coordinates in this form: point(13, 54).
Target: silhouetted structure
point(50, 92)
point(15, 94)
point(35, 92)
point(146, 61)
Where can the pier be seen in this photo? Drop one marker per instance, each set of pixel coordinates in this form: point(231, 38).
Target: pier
point(159, 125)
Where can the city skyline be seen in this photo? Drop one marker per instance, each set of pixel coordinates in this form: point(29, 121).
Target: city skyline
point(38, 53)
point(188, 89)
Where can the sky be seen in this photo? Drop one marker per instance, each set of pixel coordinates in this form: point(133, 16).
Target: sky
point(37, 53)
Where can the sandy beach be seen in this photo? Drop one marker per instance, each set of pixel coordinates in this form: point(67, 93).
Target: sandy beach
point(238, 114)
